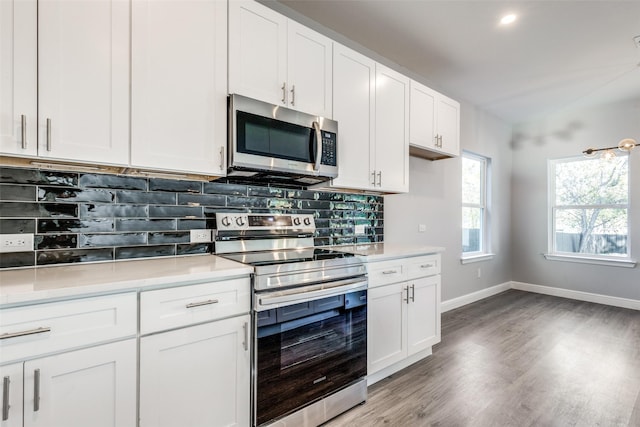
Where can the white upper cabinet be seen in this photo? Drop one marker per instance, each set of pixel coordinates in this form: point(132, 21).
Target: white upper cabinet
point(391, 131)
point(309, 70)
point(257, 52)
point(83, 80)
point(18, 77)
point(179, 85)
point(434, 127)
point(354, 109)
point(371, 104)
point(277, 60)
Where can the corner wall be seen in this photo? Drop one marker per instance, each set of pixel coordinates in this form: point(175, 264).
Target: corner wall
point(567, 134)
point(434, 200)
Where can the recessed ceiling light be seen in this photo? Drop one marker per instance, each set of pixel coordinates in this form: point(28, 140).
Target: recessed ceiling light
point(508, 19)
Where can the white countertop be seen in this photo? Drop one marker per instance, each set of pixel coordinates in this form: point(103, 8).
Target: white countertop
point(32, 285)
point(384, 251)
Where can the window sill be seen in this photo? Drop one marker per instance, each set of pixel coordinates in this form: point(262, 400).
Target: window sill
point(476, 258)
point(626, 262)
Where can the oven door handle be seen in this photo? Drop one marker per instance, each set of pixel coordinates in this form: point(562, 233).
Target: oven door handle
point(309, 293)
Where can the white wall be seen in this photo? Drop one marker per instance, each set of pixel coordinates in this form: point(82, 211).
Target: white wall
point(561, 135)
point(434, 200)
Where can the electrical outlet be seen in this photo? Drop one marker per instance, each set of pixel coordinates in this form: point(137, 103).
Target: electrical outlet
point(360, 229)
point(200, 236)
point(16, 242)
point(422, 228)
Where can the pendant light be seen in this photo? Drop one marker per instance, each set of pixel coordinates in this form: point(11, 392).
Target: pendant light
point(625, 145)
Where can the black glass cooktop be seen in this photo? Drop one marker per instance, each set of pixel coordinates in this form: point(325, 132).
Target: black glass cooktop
point(287, 256)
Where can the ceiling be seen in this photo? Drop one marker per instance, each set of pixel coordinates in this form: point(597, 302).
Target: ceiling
point(557, 54)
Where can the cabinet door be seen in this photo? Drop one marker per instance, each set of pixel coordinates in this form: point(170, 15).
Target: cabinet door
point(11, 395)
point(353, 108)
point(423, 314)
point(392, 130)
point(18, 77)
point(386, 326)
point(422, 116)
point(178, 86)
point(83, 80)
point(196, 376)
point(257, 52)
point(449, 125)
point(309, 70)
point(91, 387)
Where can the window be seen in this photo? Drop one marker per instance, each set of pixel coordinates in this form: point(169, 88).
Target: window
point(589, 207)
point(475, 215)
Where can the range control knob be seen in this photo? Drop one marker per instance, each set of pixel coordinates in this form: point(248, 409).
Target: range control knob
point(296, 220)
point(226, 221)
point(240, 221)
point(307, 221)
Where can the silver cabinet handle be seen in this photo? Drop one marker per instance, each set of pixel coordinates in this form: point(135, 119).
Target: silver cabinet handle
point(293, 95)
point(36, 390)
point(23, 131)
point(23, 333)
point(316, 128)
point(48, 134)
point(390, 272)
point(284, 92)
point(413, 293)
point(245, 343)
point(221, 158)
point(427, 266)
point(373, 176)
point(379, 178)
point(436, 141)
point(406, 289)
point(201, 303)
point(440, 141)
point(5, 396)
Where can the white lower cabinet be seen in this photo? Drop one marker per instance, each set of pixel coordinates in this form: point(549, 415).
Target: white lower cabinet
point(94, 387)
point(195, 363)
point(196, 376)
point(403, 320)
point(90, 387)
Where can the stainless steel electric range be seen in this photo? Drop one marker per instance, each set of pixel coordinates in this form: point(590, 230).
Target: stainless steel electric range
point(309, 318)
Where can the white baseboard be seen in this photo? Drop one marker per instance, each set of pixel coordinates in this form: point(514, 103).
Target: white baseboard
point(539, 289)
point(578, 295)
point(474, 296)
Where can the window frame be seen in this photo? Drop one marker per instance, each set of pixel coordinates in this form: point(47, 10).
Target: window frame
point(589, 258)
point(485, 205)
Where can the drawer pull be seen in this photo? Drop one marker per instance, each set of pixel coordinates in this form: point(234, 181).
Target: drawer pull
point(427, 266)
point(5, 398)
point(390, 272)
point(406, 288)
point(36, 390)
point(23, 333)
point(201, 303)
point(413, 293)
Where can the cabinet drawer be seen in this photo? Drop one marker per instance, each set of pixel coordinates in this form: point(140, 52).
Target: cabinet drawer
point(382, 273)
point(39, 329)
point(423, 266)
point(185, 305)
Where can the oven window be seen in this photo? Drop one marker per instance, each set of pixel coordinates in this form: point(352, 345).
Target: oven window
point(264, 136)
point(309, 350)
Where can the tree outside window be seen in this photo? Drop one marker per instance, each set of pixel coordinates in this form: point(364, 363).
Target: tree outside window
point(474, 204)
point(590, 206)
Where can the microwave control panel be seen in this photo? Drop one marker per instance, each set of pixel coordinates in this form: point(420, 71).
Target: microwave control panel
point(329, 149)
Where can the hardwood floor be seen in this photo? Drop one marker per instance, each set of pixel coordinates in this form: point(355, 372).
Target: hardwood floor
point(517, 359)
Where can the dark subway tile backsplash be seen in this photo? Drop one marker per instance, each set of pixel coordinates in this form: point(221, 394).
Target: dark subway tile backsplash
point(87, 217)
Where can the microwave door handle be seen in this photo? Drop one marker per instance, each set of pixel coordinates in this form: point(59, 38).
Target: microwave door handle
point(316, 127)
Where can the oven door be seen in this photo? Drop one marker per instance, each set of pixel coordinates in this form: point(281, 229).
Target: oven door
point(308, 349)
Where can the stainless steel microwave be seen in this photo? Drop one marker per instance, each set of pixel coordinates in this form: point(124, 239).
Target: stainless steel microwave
point(277, 144)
